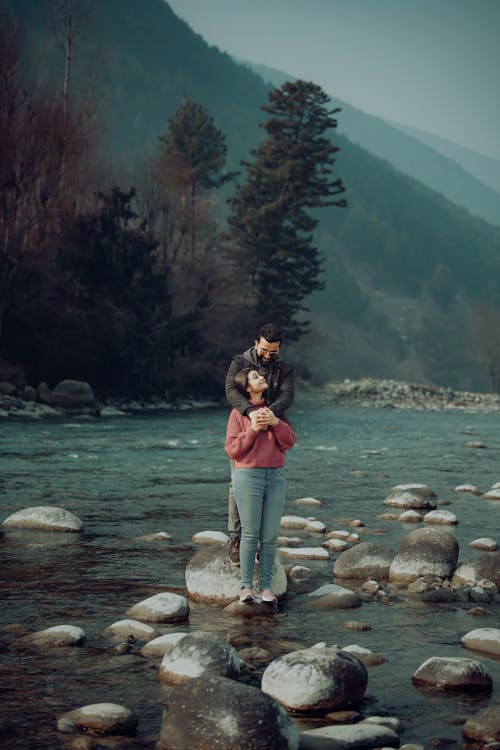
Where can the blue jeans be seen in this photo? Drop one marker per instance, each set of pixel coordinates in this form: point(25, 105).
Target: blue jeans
point(260, 497)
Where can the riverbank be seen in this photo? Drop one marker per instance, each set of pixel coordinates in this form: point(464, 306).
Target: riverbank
point(388, 394)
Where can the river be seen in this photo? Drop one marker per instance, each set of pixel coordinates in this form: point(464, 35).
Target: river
point(131, 476)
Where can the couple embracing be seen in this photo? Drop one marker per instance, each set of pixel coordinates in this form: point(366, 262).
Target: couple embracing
point(260, 388)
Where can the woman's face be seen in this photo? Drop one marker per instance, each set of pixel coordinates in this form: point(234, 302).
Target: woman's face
point(256, 382)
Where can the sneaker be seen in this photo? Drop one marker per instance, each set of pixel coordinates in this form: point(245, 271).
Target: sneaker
point(267, 596)
point(233, 554)
point(246, 595)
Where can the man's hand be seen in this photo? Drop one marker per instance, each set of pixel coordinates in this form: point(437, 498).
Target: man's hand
point(263, 418)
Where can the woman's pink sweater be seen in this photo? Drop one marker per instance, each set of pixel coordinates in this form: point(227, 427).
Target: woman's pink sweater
point(262, 449)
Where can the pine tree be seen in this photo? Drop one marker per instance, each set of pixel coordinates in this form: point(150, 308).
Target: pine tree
point(270, 220)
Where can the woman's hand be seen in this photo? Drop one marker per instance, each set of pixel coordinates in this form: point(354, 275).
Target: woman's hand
point(265, 418)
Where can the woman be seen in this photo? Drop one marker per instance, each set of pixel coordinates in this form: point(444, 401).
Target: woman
point(257, 444)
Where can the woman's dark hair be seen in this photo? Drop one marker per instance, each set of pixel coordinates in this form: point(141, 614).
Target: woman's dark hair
point(241, 381)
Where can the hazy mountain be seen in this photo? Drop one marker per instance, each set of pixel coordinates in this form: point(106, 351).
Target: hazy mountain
point(466, 178)
point(405, 265)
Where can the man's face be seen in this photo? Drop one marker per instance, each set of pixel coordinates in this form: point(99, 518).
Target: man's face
point(267, 350)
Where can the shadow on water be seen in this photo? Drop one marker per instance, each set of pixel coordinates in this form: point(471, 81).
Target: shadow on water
point(115, 476)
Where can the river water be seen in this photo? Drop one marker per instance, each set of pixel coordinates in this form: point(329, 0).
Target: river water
point(131, 476)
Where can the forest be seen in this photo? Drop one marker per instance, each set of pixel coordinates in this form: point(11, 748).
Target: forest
point(140, 249)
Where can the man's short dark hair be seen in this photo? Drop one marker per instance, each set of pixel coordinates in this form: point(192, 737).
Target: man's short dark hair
point(271, 333)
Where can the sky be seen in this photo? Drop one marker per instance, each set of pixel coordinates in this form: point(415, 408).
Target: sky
point(428, 64)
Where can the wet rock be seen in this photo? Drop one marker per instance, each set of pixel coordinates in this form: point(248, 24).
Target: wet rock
point(440, 516)
point(256, 608)
point(418, 496)
point(336, 545)
point(234, 717)
point(210, 577)
point(196, 654)
point(484, 726)
point(139, 630)
point(331, 596)
point(474, 444)
point(484, 543)
point(99, 719)
point(486, 640)
point(338, 534)
point(439, 596)
point(44, 518)
point(311, 501)
point(467, 488)
point(315, 526)
point(410, 516)
point(366, 656)
point(163, 607)
point(210, 537)
point(293, 522)
point(485, 566)
point(424, 552)
point(57, 636)
point(316, 679)
point(299, 573)
point(365, 560)
point(159, 646)
point(255, 655)
point(360, 735)
point(304, 553)
point(493, 494)
point(356, 625)
point(290, 541)
point(159, 536)
point(450, 673)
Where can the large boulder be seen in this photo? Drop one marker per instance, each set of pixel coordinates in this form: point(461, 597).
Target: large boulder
point(216, 712)
point(199, 653)
point(44, 518)
point(484, 727)
point(70, 395)
point(58, 636)
point(364, 561)
point(452, 673)
point(425, 551)
point(485, 640)
point(321, 678)
point(210, 577)
point(486, 566)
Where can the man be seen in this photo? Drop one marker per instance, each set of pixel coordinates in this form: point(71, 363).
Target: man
point(264, 357)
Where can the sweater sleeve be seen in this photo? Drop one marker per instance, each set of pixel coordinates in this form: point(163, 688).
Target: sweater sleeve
point(284, 434)
point(235, 398)
point(240, 435)
point(285, 395)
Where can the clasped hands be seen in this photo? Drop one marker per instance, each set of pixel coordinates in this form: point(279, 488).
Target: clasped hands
point(262, 418)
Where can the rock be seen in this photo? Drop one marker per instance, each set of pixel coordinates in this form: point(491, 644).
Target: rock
point(70, 395)
point(440, 516)
point(160, 645)
point(467, 488)
point(316, 679)
point(484, 543)
point(126, 628)
point(44, 518)
point(451, 673)
point(210, 577)
point(314, 526)
point(163, 607)
point(58, 636)
point(474, 444)
point(331, 596)
point(484, 726)
point(486, 640)
point(210, 537)
point(234, 716)
point(300, 573)
point(335, 545)
point(485, 566)
point(308, 501)
point(293, 522)
point(349, 737)
point(366, 656)
point(290, 541)
point(439, 596)
point(365, 560)
point(99, 719)
point(493, 494)
point(159, 536)
point(410, 516)
point(424, 552)
point(418, 496)
point(304, 553)
point(198, 653)
point(255, 655)
point(338, 534)
point(356, 625)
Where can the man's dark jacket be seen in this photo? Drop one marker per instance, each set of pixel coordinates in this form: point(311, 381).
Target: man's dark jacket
point(280, 381)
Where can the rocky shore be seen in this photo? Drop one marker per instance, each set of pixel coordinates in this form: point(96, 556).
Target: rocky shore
point(72, 397)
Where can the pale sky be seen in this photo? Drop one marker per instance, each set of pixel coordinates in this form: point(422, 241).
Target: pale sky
point(429, 64)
